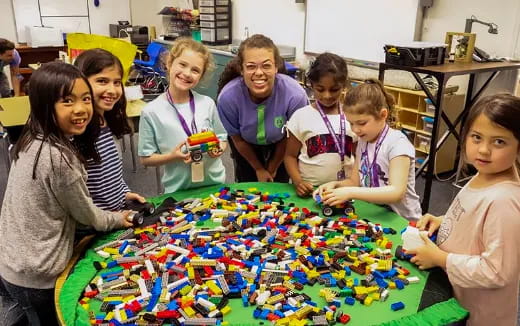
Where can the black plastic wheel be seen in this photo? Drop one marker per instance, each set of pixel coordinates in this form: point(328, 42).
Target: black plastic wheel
point(196, 156)
point(327, 211)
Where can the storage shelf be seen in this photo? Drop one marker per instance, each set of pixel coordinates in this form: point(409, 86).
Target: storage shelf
point(414, 129)
point(415, 111)
point(421, 150)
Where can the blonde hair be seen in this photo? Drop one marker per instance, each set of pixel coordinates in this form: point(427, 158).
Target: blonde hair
point(369, 98)
point(185, 43)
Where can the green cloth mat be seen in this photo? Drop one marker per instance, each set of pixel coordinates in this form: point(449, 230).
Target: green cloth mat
point(379, 313)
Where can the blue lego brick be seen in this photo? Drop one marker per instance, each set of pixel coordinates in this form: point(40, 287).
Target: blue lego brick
point(397, 306)
point(350, 301)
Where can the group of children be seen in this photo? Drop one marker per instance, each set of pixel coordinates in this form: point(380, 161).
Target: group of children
point(340, 147)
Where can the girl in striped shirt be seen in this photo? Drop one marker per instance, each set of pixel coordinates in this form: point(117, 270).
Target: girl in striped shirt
point(105, 179)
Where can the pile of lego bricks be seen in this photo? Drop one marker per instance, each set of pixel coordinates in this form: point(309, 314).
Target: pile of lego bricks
point(259, 251)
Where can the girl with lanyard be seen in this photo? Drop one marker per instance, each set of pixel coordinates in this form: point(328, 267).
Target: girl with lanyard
point(384, 156)
point(320, 141)
point(171, 118)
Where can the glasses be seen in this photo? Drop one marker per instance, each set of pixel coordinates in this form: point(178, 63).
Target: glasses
point(253, 67)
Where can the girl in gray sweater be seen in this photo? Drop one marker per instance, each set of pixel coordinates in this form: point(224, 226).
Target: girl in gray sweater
point(46, 194)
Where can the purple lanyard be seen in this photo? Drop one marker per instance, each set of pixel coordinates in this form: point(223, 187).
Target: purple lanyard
point(340, 143)
point(181, 118)
point(379, 142)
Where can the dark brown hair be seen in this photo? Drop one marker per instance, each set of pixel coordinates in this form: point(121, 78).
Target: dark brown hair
point(49, 84)
point(93, 62)
point(234, 67)
point(369, 98)
point(328, 64)
point(5, 45)
point(502, 109)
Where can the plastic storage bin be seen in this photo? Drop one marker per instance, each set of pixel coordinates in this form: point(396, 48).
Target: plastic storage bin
point(423, 142)
point(215, 35)
point(430, 108)
point(428, 124)
point(415, 54)
point(209, 3)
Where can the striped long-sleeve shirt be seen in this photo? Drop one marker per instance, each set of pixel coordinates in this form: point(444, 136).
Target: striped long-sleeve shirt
point(105, 179)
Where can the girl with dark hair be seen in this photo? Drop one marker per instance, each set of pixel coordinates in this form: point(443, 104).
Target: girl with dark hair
point(478, 242)
point(384, 156)
point(46, 194)
point(254, 107)
point(320, 144)
point(105, 178)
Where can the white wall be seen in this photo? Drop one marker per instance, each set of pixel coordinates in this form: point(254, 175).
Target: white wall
point(282, 20)
point(450, 16)
point(144, 13)
point(7, 25)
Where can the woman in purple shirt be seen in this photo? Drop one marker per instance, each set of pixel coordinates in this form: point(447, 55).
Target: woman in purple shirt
point(254, 104)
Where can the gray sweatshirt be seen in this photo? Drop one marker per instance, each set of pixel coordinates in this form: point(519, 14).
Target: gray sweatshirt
point(38, 217)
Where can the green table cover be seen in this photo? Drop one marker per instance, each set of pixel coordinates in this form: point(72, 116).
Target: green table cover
point(379, 313)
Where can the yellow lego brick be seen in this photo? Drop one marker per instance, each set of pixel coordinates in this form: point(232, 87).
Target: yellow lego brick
point(189, 311)
point(350, 282)
point(372, 289)
point(86, 306)
point(391, 285)
point(109, 299)
point(269, 307)
point(401, 276)
point(185, 290)
point(252, 190)
point(135, 278)
point(283, 321)
point(226, 310)
point(376, 296)
point(128, 298)
point(109, 316)
point(112, 251)
point(191, 273)
point(123, 315)
point(368, 301)
point(360, 290)
point(329, 315)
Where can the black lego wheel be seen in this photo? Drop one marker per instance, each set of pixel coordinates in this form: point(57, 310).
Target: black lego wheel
point(196, 156)
point(327, 211)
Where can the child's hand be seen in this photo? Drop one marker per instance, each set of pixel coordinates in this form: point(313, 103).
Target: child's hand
point(429, 255)
point(178, 154)
point(336, 196)
point(430, 223)
point(263, 175)
point(303, 188)
point(126, 222)
point(324, 188)
point(134, 196)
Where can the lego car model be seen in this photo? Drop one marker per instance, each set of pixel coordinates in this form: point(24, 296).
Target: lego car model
point(202, 142)
point(140, 211)
point(343, 208)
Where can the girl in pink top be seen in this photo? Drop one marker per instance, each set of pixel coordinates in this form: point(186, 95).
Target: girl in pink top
point(479, 237)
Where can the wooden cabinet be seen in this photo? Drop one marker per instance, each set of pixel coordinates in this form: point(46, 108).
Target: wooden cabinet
point(415, 115)
point(30, 55)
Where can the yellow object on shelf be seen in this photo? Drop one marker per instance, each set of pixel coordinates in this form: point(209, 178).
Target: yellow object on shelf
point(79, 42)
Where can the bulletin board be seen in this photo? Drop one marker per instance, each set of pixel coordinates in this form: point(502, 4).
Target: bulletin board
point(359, 29)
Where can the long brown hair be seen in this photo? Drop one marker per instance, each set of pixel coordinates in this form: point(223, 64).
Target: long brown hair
point(93, 62)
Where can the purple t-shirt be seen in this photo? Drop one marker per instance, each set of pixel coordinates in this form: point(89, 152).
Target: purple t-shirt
point(240, 115)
